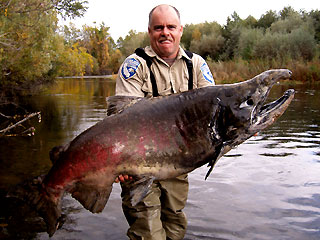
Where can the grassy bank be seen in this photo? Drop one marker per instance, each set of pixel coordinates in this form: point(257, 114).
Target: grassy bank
point(240, 70)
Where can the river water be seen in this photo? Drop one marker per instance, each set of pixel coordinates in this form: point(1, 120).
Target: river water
point(267, 188)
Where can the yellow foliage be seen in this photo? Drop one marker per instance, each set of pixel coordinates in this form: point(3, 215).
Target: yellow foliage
point(74, 60)
point(196, 34)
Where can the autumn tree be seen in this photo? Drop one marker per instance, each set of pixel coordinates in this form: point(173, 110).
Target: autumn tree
point(28, 40)
point(97, 40)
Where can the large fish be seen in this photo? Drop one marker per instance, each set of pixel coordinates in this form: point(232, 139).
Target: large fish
point(154, 138)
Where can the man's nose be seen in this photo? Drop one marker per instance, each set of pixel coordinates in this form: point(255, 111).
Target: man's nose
point(165, 31)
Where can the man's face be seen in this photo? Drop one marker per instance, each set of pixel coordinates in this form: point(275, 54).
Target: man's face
point(165, 32)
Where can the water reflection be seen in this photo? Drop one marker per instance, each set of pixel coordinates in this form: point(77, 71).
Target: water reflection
point(267, 188)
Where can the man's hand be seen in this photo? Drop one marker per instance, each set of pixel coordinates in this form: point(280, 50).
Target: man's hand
point(122, 178)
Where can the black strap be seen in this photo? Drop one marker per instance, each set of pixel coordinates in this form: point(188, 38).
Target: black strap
point(190, 69)
point(141, 53)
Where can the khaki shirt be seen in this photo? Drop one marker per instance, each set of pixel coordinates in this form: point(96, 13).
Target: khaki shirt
point(134, 76)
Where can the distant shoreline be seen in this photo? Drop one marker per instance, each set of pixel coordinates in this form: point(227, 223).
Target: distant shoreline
point(98, 76)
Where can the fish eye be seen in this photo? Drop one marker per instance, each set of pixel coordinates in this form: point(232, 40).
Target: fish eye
point(248, 103)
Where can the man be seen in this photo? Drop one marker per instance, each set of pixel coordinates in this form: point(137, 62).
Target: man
point(159, 216)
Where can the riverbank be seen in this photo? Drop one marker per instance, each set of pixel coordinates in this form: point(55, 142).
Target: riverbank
point(113, 77)
point(240, 70)
point(223, 72)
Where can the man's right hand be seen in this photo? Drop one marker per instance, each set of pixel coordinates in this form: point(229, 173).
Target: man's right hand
point(123, 178)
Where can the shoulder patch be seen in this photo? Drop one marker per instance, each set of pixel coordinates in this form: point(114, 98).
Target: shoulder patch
point(129, 68)
point(206, 73)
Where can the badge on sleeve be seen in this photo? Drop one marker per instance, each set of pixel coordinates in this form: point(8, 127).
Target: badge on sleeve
point(129, 68)
point(206, 73)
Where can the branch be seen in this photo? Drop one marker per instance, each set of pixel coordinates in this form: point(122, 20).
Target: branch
point(7, 5)
point(5, 116)
point(18, 123)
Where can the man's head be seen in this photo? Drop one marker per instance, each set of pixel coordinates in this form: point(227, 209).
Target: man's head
point(165, 31)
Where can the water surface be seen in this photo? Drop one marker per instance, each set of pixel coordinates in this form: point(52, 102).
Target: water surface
point(267, 188)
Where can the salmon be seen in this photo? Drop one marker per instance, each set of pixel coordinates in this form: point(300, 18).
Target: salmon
point(153, 139)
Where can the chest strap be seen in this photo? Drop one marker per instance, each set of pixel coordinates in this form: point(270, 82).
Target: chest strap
point(141, 53)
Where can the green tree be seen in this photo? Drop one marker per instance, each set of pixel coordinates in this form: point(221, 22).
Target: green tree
point(291, 23)
point(287, 12)
point(208, 46)
point(186, 38)
point(132, 41)
point(70, 33)
point(250, 22)
point(299, 44)
point(231, 33)
point(248, 39)
point(314, 15)
point(266, 20)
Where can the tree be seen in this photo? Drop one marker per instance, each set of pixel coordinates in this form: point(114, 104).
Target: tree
point(27, 40)
point(247, 42)
point(132, 41)
point(70, 8)
point(97, 41)
point(315, 18)
point(250, 22)
point(115, 61)
point(287, 12)
point(187, 35)
point(208, 46)
point(231, 32)
point(193, 33)
point(266, 20)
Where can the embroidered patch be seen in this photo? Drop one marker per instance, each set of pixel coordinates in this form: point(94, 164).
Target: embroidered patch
point(129, 68)
point(206, 73)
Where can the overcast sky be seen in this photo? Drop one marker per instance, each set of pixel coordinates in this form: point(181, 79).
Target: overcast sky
point(124, 15)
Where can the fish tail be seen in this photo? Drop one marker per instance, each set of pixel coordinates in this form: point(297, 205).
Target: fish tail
point(33, 193)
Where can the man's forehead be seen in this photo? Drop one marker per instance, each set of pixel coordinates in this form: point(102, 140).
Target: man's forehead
point(164, 15)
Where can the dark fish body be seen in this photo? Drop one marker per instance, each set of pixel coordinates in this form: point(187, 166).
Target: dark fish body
point(155, 138)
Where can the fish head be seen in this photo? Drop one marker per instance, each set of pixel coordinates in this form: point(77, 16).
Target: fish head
point(244, 111)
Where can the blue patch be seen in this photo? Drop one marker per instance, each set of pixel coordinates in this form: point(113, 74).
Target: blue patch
point(206, 73)
point(129, 68)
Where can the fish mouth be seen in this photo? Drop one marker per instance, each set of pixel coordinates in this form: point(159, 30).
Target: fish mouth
point(269, 112)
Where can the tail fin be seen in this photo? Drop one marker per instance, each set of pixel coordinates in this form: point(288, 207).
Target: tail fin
point(34, 194)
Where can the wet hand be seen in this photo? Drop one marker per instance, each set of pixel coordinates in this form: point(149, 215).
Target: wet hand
point(123, 178)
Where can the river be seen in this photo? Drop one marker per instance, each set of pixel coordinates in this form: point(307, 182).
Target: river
point(267, 188)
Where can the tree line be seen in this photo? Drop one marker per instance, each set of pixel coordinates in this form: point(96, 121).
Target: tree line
point(34, 49)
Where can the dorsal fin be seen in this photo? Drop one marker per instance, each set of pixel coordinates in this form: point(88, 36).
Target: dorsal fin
point(116, 104)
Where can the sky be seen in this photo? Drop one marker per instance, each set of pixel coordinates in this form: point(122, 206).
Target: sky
point(125, 15)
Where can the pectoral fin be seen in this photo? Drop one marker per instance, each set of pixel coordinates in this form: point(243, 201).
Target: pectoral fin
point(140, 189)
point(214, 159)
point(92, 197)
